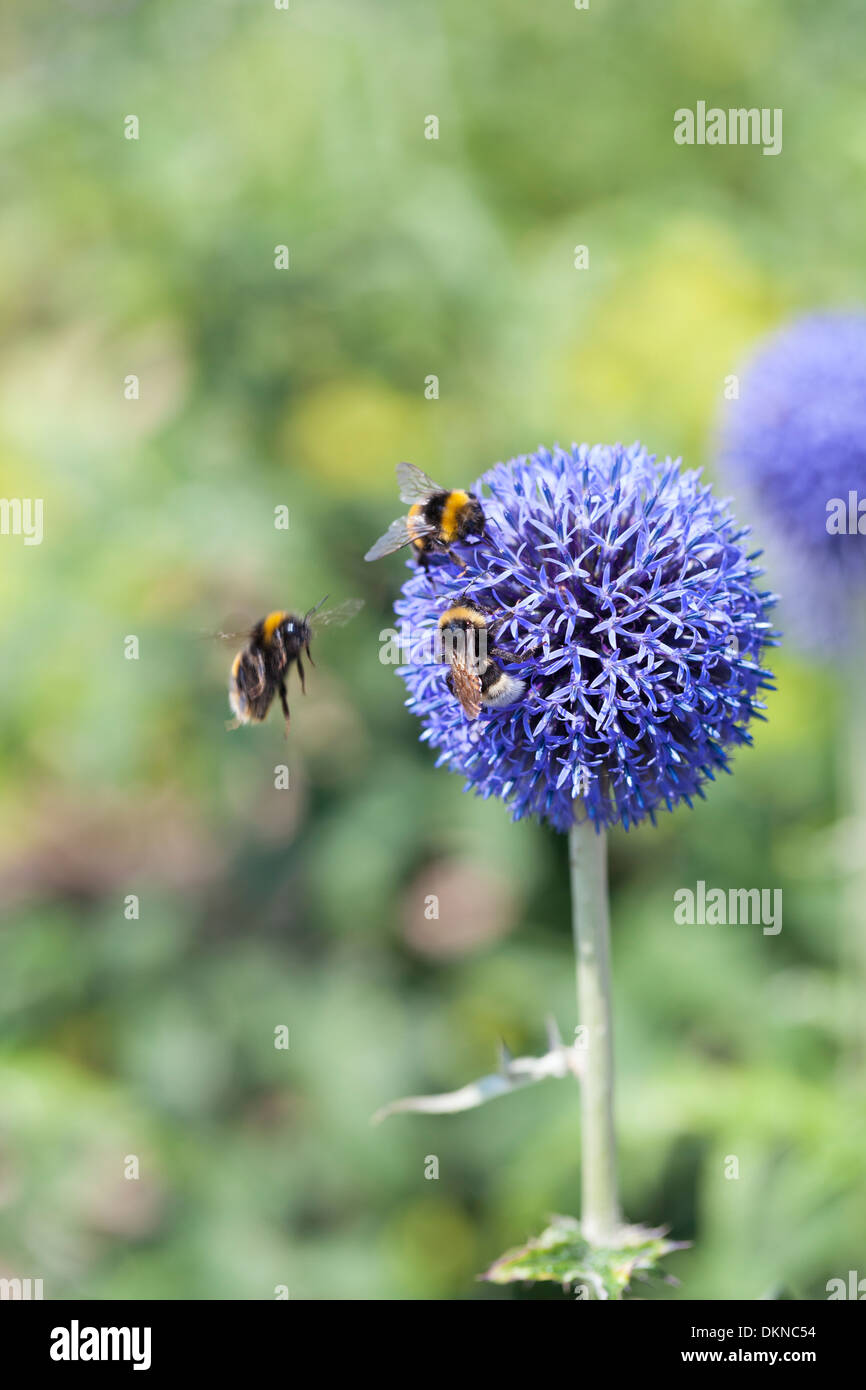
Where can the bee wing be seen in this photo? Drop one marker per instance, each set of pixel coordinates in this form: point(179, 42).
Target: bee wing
point(342, 614)
point(414, 484)
point(467, 688)
point(223, 636)
point(397, 535)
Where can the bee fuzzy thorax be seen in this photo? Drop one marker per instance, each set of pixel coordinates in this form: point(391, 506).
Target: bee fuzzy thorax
point(270, 625)
point(461, 615)
point(463, 634)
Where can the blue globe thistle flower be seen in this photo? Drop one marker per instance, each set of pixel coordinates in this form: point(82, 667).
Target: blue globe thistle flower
point(794, 442)
point(628, 601)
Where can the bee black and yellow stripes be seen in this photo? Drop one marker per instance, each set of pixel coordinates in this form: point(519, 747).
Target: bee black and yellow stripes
point(476, 678)
point(275, 644)
point(437, 518)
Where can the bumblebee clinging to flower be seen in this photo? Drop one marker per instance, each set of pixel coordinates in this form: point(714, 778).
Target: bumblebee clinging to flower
point(260, 670)
point(475, 678)
point(437, 517)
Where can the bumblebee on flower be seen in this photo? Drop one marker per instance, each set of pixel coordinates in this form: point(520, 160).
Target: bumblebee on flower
point(626, 603)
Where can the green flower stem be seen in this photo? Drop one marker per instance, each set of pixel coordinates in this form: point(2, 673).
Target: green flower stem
point(587, 856)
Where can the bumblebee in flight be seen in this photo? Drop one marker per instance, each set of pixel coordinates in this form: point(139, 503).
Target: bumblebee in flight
point(437, 518)
point(475, 678)
point(276, 643)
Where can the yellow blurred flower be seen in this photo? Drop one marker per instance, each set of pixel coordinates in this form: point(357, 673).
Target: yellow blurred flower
point(350, 434)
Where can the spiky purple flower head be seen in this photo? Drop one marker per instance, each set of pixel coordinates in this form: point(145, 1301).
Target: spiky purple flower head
point(795, 442)
point(628, 600)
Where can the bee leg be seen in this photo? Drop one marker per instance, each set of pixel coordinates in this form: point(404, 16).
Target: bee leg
point(309, 657)
point(495, 619)
point(300, 666)
point(499, 654)
point(285, 705)
point(455, 560)
point(537, 649)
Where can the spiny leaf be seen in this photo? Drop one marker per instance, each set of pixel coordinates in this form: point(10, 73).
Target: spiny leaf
point(563, 1255)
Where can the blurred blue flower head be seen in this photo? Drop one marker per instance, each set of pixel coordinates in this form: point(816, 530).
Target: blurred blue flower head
point(627, 601)
point(795, 442)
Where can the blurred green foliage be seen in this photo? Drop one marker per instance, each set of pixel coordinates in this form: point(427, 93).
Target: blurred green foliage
point(259, 907)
